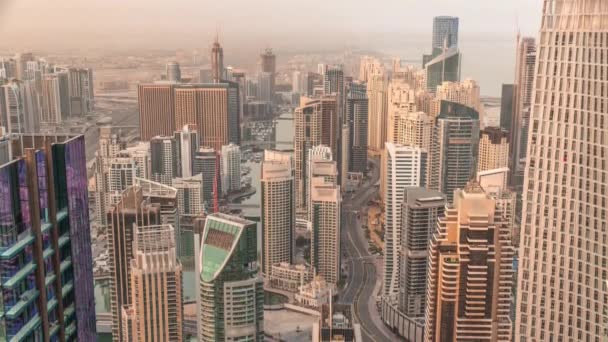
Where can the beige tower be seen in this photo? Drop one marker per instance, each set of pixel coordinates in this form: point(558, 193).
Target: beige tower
point(465, 93)
point(278, 210)
point(563, 254)
point(377, 93)
point(325, 240)
point(156, 110)
point(493, 149)
point(156, 310)
point(470, 272)
point(401, 101)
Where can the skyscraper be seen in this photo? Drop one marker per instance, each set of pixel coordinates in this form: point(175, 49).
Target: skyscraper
point(562, 264)
point(231, 287)
point(265, 87)
point(156, 311)
point(470, 272)
point(444, 67)
point(506, 106)
point(455, 148)
point(316, 123)
point(520, 124)
point(45, 242)
point(278, 210)
point(268, 64)
point(401, 100)
point(421, 208)
point(189, 195)
point(356, 112)
point(326, 203)
point(465, 93)
point(156, 110)
point(187, 143)
point(445, 36)
point(217, 61)
point(405, 166)
point(173, 72)
point(320, 172)
point(377, 93)
point(213, 108)
point(231, 168)
point(51, 100)
point(207, 163)
point(493, 149)
point(164, 159)
point(132, 209)
point(445, 32)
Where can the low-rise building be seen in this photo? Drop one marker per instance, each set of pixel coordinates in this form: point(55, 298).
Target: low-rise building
point(288, 277)
point(316, 293)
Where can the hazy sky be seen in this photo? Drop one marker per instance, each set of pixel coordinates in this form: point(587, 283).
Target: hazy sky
point(163, 23)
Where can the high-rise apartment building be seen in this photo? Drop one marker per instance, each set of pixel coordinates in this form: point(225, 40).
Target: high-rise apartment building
point(316, 122)
point(401, 101)
point(278, 210)
point(121, 174)
point(326, 202)
point(377, 93)
point(187, 143)
point(522, 104)
point(207, 163)
point(81, 95)
point(405, 166)
point(369, 67)
point(20, 107)
point(455, 148)
point(268, 64)
point(173, 72)
point(421, 208)
point(164, 159)
point(155, 312)
point(231, 168)
point(156, 110)
point(231, 287)
point(356, 116)
point(562, 260)
point(493, 149)
point(465, 93)
point(506, 106)
point(213, 108)
point(132, 209)
point(51, 100)
point(470, 272)
point(189, 195)
point(320, 172)
point(46, 264)
point(264, 92)
point(217, 61)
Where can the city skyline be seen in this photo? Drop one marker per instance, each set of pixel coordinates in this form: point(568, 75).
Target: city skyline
point(360, 187)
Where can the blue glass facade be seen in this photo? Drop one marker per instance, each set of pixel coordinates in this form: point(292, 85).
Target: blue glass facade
point(46, 277)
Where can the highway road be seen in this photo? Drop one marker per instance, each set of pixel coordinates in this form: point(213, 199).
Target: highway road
point(122, 114)
point(360, 264)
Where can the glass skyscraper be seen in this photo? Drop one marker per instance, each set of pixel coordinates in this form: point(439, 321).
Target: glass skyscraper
point(46, 266)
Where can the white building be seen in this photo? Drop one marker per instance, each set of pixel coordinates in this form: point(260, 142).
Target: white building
point(231, 168)
point(189, 195)
point(405, 166)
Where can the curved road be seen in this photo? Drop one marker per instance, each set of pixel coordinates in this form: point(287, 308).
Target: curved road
point(362, 274)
